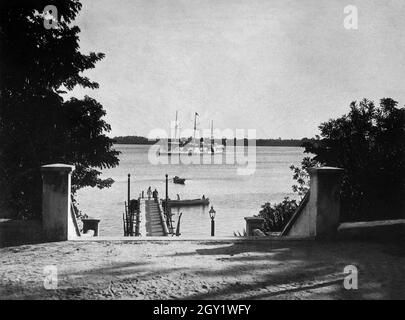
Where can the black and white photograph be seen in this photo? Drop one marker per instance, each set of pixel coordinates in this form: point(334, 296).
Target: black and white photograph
point(214, 151)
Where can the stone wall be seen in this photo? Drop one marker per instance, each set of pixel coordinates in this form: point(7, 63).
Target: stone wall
point(16, 232)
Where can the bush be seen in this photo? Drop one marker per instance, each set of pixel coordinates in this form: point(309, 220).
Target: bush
point(276, 216)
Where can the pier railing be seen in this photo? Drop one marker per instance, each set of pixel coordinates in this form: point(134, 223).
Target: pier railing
point(296, 215)
point(163, 220)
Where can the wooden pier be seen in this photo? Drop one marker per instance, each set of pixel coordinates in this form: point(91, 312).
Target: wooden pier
point(146, 217)
point(155, 224)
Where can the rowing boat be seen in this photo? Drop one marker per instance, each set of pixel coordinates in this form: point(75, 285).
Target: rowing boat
point(188, 202)
point(178, 180)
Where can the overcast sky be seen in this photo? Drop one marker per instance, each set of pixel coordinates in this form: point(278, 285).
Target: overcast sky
point(280, 67)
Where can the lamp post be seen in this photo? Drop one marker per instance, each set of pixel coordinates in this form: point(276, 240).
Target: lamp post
point(212, 213)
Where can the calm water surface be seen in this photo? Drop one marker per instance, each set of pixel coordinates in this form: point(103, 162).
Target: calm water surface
point(233, 196)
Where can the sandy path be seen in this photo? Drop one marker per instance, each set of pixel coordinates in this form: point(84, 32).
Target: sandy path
point(202, 270)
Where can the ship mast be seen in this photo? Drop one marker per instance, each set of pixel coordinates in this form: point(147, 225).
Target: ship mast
point(212, 129)
point(175, 128)
point(195, 126)
point(212, 136)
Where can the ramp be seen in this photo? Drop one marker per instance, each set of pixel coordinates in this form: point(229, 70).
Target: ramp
point(154, 219)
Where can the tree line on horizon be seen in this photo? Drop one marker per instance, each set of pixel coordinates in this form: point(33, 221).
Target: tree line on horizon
point(259, 142)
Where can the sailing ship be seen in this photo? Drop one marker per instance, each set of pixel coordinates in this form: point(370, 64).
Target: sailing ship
point(191, 146)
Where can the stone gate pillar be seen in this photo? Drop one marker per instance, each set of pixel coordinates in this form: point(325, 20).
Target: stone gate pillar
point(324, 202)
point(318, 215)
point(56, 201)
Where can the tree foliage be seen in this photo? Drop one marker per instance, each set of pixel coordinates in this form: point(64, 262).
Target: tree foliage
point(38, 124)
point(277, 215)
point(301, 175)
point(369, 144)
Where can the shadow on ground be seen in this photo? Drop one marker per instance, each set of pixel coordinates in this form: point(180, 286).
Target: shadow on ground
point(208, 270)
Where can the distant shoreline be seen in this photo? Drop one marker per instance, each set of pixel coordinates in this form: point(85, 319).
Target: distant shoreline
point(259, 142)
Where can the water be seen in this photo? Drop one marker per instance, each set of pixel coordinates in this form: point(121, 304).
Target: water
point(233, 196)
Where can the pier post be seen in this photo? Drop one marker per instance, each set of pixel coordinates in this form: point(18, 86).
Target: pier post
point(166, 207)
point(129, 189)
point(130, 213)
point(56, 201)
point(167, 190)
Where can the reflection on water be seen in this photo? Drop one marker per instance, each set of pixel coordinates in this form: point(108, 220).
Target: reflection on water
point(233, 196)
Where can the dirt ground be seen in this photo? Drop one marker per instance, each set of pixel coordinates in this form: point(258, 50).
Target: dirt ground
point(202, 270)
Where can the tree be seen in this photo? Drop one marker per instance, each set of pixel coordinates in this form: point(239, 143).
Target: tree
point(369, 144)
point(37, 125)
point(301, 175)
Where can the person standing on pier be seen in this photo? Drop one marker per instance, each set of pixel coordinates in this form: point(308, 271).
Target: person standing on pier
point(149, 192)
point(156, 194)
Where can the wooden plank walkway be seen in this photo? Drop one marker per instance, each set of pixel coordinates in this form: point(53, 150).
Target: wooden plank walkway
point(154, 224)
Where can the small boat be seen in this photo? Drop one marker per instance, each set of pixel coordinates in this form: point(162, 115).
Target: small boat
point(188, 202)
point(178, 180)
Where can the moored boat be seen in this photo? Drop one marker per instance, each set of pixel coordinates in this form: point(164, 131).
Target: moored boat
point(188, 202)
point(178, 180)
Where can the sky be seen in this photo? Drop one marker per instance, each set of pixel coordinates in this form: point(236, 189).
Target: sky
point(277, 66)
